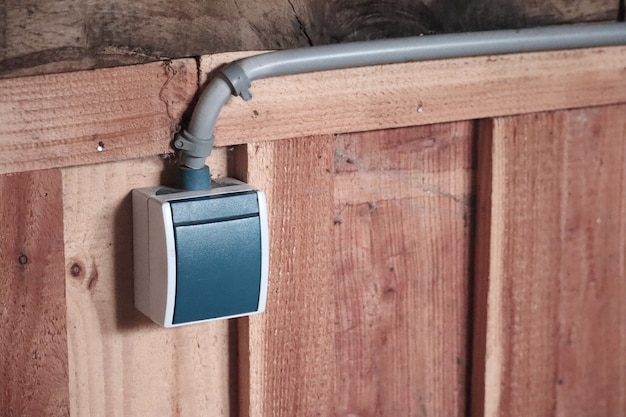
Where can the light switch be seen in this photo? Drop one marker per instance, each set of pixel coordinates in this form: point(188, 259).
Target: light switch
point(200, 255)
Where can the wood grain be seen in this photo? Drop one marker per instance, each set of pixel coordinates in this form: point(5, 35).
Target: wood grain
point(287, 353)
point(33, 334)
point(353, 20)
point(554, 281)
point(120, 363)
point(62, 120)
point(401, 270)
point(400, 95)
point(564, 10)
point(46, 36)
point(143, 104)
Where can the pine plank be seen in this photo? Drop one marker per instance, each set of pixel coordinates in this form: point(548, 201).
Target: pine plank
point(62, 120)
point(33, 334)
point(401, 270)
point(121, 363)
point(287, 353)
point(552, 266)
point(401, 95)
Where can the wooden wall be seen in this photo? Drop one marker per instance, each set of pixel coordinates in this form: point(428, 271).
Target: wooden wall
point(466, 259)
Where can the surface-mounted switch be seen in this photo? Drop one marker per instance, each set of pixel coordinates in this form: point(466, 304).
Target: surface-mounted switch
point(200, 255)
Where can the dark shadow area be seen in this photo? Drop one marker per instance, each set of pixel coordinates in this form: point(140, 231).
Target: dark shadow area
point(233, 367)
point(479, 234)
point(127, 317)
point(470, 224)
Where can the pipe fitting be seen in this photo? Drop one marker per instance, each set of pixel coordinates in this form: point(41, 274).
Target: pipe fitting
point(194, 150)
point(238, 80)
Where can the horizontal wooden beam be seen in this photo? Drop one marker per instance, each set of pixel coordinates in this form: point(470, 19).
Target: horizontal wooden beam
point(49, 36)
point(392, 96)
point(130, 112)
point(92, 116)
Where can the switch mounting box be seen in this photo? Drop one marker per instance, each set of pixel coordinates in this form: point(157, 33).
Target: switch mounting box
point(200, 255)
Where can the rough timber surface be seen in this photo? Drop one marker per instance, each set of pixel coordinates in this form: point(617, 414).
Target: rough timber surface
point(121, 363)
point(131, 112)
point(364, 300)
point(46, 36)
point(551, 267)
point(92, 116)
point(287, 353)
point(33, 333)
point(402, 204)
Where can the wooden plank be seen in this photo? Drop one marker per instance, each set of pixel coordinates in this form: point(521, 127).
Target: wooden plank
point(365, 19)
point(401, 270)
point(390, 96)
point(33, 334)
point(554, 278)
point(120, 363)
point(89, 117)
point(287, 353)
point(61, 35)
point(60, 120)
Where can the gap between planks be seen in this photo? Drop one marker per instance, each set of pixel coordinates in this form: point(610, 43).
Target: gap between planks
point(130, 112)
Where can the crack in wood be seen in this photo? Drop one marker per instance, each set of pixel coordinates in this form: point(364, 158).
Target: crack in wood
point(301, 25)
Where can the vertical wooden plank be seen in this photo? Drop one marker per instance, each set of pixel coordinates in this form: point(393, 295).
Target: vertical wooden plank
point(555, 277)
point(287, 353)
point(402, 209)
point(33, 334)
point(121, 363)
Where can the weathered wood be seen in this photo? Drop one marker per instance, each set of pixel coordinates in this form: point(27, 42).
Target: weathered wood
point(287, 353)
point(33, 334)
point(401, 270)
point(56, 36)
point(56, 121)
point(47, 36)
point(556, 11)
point(554, 281)
point(89, 117)
point(349, 20)
point(122, 364)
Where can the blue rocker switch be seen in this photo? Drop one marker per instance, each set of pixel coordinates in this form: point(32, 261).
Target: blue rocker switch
point(200, 255)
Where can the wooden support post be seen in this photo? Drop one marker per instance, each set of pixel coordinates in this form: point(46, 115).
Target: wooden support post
point(551, 267)
point(287, 353)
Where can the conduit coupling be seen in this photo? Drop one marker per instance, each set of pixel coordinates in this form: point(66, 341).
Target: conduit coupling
point(196, 141)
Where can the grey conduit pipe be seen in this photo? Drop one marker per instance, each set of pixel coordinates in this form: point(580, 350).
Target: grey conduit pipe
point(196, 141)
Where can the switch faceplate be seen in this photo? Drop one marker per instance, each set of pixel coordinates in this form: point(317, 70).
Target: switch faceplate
point(200, 255)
